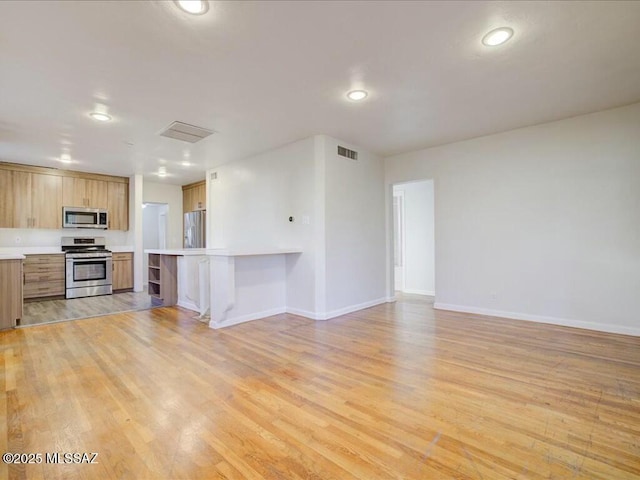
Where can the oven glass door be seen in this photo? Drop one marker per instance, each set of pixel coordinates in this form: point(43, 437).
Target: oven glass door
point(85, 272)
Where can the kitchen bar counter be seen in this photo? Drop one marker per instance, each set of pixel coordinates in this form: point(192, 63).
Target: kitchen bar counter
point(223, 252)
point(177, 251)
point(245, 284)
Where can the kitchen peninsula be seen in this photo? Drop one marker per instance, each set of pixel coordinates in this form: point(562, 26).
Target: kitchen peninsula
point(243, 285)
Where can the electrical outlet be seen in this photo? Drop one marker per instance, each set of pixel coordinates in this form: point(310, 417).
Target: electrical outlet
point(18, 239)
point(306, 220)
point(494, 295)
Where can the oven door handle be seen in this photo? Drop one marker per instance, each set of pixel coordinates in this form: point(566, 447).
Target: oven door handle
point(85, 260)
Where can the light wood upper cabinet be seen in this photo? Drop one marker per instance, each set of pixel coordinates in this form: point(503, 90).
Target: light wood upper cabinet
point(194, 197)
point(21, 199)
point(33, 197)
point(6, 199)
point(118, 206)
point(46, 201)
point(31, 200)
point(81, 192)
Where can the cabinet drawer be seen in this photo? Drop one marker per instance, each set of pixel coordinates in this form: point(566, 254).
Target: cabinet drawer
point(44, 289)
point(45, 269)
point(122, 256)
point(53, 259)
point(33, 277)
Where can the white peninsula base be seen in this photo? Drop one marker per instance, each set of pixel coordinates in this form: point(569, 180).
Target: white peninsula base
point(247, 285)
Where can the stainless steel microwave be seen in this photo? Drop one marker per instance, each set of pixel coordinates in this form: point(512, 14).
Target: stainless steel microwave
point(79, 217)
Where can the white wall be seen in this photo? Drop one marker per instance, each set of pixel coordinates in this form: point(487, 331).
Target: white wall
point(354, 228)
point(540, 223)
point(249, 205)
point(33, 237)
point(419, 267)
point(338, 210)
point(172, 196)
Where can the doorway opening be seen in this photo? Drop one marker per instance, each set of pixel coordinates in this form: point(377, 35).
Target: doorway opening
point(154, 232)
point(414, 237)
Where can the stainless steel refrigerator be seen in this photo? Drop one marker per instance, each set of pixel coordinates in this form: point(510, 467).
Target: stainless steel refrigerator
point(194, 229)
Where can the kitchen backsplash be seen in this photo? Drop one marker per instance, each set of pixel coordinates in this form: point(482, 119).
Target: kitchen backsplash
point(32, 237)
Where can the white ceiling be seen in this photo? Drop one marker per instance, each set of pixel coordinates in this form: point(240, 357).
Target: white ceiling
point(262, 74)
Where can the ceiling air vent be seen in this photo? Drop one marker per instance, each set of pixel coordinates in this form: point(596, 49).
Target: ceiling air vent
point(185, 132)
point(345, 152)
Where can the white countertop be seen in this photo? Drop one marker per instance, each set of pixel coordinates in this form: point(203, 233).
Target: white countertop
point(178, 252)
point(120, 248)
point(240, 252)
point(223, 252)
point(52, 250)
point(11, 256)
point(31, 250)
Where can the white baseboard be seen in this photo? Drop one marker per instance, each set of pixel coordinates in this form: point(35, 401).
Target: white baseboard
point(188, 305)
point(352, 308)
point(248, 318)
point(302, 313)
point(338, 312)
point(564, 322)
point(419, 292)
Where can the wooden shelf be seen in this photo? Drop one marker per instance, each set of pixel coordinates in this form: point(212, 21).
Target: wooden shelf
point(163, 282)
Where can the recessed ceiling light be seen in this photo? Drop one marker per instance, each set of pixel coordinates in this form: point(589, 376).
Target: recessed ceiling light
point(357, 95)
point(194, 7)
point(497, 36)
point(65, 158)
point(100, 116)
point(162, 171)
point(185, 164)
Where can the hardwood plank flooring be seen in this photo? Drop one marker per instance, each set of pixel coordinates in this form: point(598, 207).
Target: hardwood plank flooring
point(398, 391)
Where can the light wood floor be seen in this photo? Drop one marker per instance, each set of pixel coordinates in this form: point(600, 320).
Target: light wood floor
point(396, 391)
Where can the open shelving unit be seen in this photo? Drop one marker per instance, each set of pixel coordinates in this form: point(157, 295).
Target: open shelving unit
point(163, 285)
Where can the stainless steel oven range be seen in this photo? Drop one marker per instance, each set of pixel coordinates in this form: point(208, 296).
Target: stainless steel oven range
point(89, 267)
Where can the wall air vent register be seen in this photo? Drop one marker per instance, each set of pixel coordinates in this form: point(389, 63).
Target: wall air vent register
point(345, 152)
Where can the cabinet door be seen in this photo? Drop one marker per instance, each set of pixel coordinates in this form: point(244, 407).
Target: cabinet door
point(73, 192)
point(11, 281)
point(6, 199)
point(187, 200)
point(122, 271)
point(21, 201)
point(200, 197)
point(96, 193)
point(46, 206)
point(118, 206)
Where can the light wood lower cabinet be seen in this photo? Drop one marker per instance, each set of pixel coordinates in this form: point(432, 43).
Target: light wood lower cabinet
point(122, 271)
point(44, 276)
point(163, 278)
point(11, 293)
